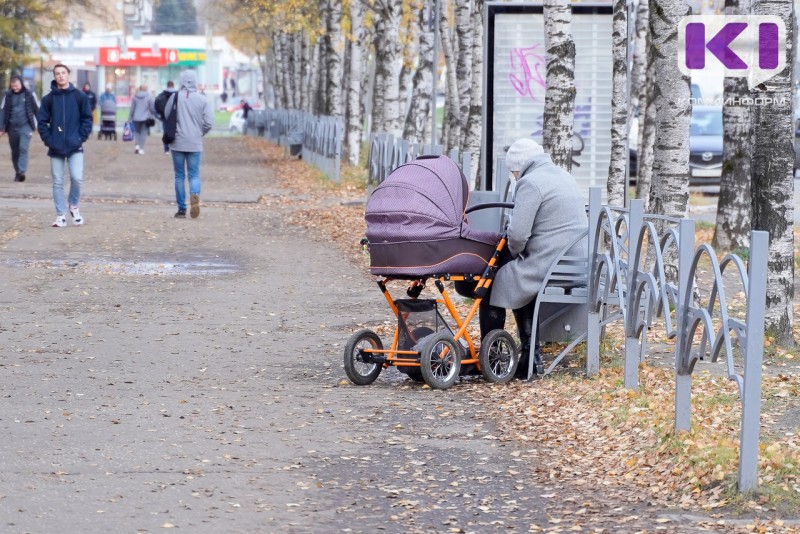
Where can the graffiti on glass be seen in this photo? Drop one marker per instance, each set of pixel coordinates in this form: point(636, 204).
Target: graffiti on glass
point(528, 70)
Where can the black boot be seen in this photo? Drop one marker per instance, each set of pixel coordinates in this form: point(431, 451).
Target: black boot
point(524, 317)
point(490, 317)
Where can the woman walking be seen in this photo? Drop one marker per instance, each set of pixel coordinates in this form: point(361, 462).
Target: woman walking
point(142, 112)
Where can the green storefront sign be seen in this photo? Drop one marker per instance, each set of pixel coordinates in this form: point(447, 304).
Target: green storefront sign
point(190, 57)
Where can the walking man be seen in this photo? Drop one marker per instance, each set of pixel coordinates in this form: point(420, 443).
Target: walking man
point(161, 103)
point(18, 120)
point(65, 123)
point(194, 120)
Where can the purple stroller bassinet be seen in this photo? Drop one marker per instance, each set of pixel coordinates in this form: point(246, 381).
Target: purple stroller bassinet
point(416, 225)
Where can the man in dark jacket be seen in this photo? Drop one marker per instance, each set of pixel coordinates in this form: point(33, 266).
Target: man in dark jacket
point(161, 104)
point(65, 123)
point(18, 120)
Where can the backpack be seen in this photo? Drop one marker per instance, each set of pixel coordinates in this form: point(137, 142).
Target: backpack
point(171, 120)
point(161, 103)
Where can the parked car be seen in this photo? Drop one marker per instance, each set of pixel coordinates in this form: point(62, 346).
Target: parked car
point(236, 124)
point(705, 145)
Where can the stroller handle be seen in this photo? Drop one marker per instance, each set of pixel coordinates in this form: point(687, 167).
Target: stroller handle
point(489, 205)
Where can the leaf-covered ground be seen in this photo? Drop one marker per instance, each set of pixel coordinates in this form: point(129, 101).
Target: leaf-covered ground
point(592, 432)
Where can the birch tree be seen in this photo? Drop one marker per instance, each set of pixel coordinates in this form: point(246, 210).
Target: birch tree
point(732, 229)
point(559, 100)
point(464, 74)
point(353, 119)
point(451, 130)
point(386, 106)
point(335, 52)
point(417, 119)
point(647, 132)
point(410, 46)
point(616, 185)
point(773, 180)
point(669, 192)
point(474, 127)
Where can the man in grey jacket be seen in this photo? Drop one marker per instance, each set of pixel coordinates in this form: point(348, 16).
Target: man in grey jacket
point(194, 120)
point(549, 212)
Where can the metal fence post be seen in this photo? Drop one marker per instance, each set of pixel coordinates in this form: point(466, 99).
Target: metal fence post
point(593, 321)
point(635, 220)
point(753, 355)
point(683, 376)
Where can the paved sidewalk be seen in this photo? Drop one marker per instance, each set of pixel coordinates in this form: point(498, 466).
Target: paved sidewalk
point(166, 373)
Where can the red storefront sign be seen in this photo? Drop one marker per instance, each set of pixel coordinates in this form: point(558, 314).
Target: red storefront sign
point(136, 57)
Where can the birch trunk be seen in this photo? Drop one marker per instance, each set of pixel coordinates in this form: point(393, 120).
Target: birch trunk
point(647, 132)
point(353, 121)
point(410, 53)
point(313, 76)
point(305, 72)
point(773, 181)
point(474, 128)
point(464, 73)
point(617, 177)
point(280, 88)
point(732, 228)
point(639, 68)
point(559, 100)
point(451, 130)
point(335, 51)
point(669, 191)
point(288, 52)
point(391, 61)
point(419, 109)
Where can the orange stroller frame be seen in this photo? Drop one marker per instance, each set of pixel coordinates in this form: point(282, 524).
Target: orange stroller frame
point(435, 355)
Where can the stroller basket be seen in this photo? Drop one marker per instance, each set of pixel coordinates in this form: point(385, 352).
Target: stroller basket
point(416, 319)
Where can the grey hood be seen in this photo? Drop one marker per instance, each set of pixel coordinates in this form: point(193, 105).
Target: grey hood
point(189, 81)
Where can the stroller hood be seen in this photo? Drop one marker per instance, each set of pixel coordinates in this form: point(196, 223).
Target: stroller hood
point(416, 224)
point(423, 200)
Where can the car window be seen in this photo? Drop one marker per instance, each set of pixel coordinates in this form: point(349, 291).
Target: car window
point(706, 123)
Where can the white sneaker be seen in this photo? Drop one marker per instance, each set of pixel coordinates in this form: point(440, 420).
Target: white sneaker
point(76, 215)
point(141, 151)
point(60, 222)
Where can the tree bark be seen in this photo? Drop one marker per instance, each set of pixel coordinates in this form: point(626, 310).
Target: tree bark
point(335, 51)
point(474, 128)
point(669, 192)
point(647, 131)
point(617, 177)
point(773, 181)
point(732, 228)
point(464, 73)
point(354, 118)
point(419, 109)
point(452, 127)
point(559, 100)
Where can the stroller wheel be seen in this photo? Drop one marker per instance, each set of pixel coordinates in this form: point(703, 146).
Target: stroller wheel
point(440, 360)
point(358, 366)
point(498, 357)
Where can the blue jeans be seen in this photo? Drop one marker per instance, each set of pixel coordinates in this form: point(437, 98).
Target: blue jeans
point(75, 164)
point(140, 133)
point(186, 163)
point(20, 140)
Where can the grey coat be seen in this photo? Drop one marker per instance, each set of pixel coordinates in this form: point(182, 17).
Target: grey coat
point(548, 213)
point(195, 115)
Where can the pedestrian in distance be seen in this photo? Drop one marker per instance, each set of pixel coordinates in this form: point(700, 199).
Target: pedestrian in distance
point(87, 90)
point(188, 117)
point(108, 95)
point(161, 103)
point(65, 123)
point(18, 120)
point(245, 112)
point(142, 114)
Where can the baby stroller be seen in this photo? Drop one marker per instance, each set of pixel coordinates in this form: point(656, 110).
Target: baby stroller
point(417, 231)
point(108, 120)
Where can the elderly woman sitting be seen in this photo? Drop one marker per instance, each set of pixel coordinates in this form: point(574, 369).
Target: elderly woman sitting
point(548, 213)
